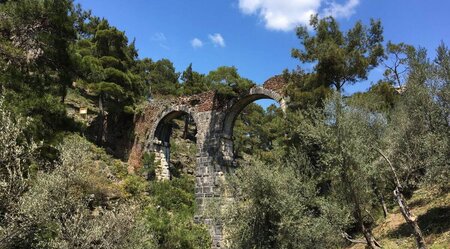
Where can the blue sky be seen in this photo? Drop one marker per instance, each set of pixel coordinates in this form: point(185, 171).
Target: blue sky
point(257, 36)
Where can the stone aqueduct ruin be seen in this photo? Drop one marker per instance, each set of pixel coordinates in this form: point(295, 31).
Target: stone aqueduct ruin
point(214, 116)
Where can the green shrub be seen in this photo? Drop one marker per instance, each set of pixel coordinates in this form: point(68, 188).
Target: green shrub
point(170, 215)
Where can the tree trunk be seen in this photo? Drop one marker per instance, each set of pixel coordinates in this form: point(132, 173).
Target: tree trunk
point(406, 212)
point(383, 204)
point(63, 93)
point(186, 126)
point(356, 241)
point(410, 218)
point(380, 197)
point(101, 119)
point(371, 242)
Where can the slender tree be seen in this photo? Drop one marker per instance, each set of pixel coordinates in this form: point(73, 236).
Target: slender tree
point(341, 59)
point(397, 62)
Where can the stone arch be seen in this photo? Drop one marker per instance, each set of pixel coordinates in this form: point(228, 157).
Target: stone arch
point(160, 138)
point(255, 93)
point(214, 116)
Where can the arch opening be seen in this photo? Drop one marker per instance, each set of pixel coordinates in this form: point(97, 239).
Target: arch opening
point(251, 119)
point(174, 158)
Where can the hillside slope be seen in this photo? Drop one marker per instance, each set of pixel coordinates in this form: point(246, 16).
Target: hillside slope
point(433, 214)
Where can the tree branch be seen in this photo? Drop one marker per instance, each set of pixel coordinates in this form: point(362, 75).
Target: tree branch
point(397, 181)
point(347, 237)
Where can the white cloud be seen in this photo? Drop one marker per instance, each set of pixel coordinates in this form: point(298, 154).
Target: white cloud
point(217, 40)
point(341, 10)
point(196, 43)
point(166, 47)
point(287, 14)
point(158, 37)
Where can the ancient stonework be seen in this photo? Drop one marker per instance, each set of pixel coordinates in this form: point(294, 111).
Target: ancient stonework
point(214, 116)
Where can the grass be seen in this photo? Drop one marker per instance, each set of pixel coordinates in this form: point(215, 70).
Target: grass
point(432, 210)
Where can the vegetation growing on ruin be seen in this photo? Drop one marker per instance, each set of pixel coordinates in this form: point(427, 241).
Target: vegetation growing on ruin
point(334, 171)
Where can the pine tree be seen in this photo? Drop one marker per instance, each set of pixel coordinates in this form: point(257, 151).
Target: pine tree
point(193, 82)
point(339, 58)
point(227, 81)
point(106, 63)
point(36, 61)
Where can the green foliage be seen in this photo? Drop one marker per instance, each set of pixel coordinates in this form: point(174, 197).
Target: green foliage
point(194, 82)
point(228, 82)
point(397, 67)
point(381, 97)
point(258, 132)
point(170, 215)
point(181, 194)
point(107, 68)
point(275, 207)
point(159, 77)
point(304, 89)
point(135, 185)
point(36, 61)
point(339, 58)
point(16, 158)
point(149, 165)
point(70, 207)
point(170, 205)
point(317, 173)
point(418, 135)
point(308, 132)
point(339, 143)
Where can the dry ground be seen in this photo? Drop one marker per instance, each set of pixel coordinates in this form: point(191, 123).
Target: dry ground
point(432, 210)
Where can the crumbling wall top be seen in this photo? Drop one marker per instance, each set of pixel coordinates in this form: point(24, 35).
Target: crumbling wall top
point(146, 121)
point(275, 83)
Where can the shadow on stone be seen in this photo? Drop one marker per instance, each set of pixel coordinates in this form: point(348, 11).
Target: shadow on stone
point(435, 221)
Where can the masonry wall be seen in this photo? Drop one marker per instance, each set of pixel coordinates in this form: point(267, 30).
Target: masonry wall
point(208, 172)
point(214, 143)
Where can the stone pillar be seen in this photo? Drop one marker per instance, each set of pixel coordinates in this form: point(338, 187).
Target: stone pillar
point(162, 160)
point(208, 172)
point(226, 150)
